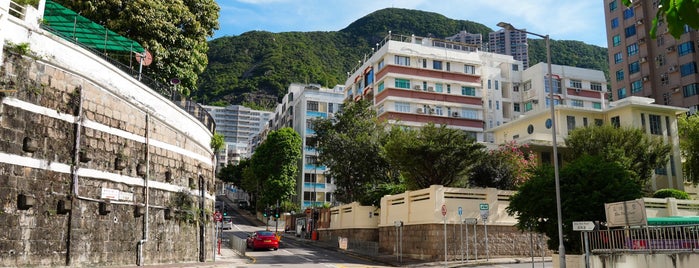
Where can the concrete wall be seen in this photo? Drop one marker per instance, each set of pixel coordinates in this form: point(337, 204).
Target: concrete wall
point(674, 260)
point(66, 115)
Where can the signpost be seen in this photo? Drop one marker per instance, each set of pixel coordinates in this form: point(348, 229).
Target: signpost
point(485, 211)
point(585, 227)
point(470, 221)
point(461, 233)
point(444, 215)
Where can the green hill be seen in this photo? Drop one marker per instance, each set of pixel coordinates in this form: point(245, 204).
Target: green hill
point(255, 68)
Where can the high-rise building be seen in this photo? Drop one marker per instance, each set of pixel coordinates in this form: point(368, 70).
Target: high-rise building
point(663, 69)
point(469, 38)
point(302, 104)
point(509, 42)
point(238, 125)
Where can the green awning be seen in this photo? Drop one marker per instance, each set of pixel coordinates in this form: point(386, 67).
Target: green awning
point(79, 29)
point(675, 220)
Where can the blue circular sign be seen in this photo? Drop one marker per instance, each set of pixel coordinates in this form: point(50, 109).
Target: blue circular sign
point(460, 211)
point(549, 123)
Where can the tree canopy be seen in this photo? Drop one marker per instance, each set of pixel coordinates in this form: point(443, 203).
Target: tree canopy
point(632, 148)
point(689, 143)
point(505, 168)
point(676, 13)
point(350, 145)
point(433, 155)
point(175, 32)
point(594, 180)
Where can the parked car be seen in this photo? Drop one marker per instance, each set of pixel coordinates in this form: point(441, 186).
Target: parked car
point(243, 204)
point(262, 240)
point(227, 223)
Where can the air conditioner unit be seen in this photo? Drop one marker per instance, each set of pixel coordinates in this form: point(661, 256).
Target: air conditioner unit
point(670, 49)
point(639, 21)
point(644, 59)
point(420, 111)
point(672, 68)
point(577, 90)
point(430, 89)
point(416, 87)
point(645, 78)
point(455, 114)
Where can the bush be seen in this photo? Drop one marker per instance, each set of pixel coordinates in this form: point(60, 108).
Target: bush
point(665, 193)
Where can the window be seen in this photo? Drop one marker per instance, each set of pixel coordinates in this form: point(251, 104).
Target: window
point(468, 91)
point(667, 126)
point(576, 103)
point(424, 63)
point(685, 48)
point(515, 106)
point(438, 87)
point(575, 83)
point(402, 83)
point(612, 5)
point(616, 40)
point(437, 64)
point(402, 60)
point(597, 105)
point(616, 122)
point(618, 57)
point(643, 122)
point(599, 122)
point(619, 75)
point(469, 69)
point(381, 65)
point(555, 102)
point(515, 67)
point(628, 13)
point(634, 67)
point(570, 121)
point(448, 66)
point(402, 107)
point(490, 104)
point(449, 90)
point(632, 49)
point(556, 85)
point(615, 23)
point(689, 90)
point(630, 31)
point(621, 92)
point(489, 83)
point(380, 87)
point(528, 106)
point(596, 86)
point(636, 86)
point(438, 110)
point(497, 105)
point(655, 125)
point(470, 114)
point(688, 69)
point(585, 121)
point(496, 85)
point(424, 85)
point(312, 106)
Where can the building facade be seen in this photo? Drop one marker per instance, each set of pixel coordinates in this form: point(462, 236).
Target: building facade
point(469, 38)
point(238, 125)
point(509, 42)
point(656, 120)
point(664, 68)
point(302, 104)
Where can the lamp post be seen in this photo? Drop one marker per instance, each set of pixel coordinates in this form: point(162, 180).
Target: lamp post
point(561, 247)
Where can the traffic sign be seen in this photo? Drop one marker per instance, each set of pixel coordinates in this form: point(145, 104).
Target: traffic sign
point(484, 206)
point(218, 216)
point(470, 220)
point(583, 226)
point(460, 211)
point(444, 210)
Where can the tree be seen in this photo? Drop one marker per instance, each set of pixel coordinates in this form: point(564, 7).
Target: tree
point(274, 166)
point(234, 173)
point(432, 155)
point(175, 32)
point(350, 146)
point(676, 14)
point(630, 147)
point(593, 181)
point(504, 168)
point(688, 128)
point(217, 142)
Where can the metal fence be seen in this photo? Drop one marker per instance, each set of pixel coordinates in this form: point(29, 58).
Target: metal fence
point(646, 239)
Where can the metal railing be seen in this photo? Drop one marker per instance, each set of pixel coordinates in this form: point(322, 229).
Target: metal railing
point(646, 239)
point(176, 98)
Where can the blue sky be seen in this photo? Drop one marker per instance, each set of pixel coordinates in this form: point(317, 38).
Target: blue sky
point(581, 20)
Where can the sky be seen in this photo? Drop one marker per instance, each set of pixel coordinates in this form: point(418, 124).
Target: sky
point(581, 20)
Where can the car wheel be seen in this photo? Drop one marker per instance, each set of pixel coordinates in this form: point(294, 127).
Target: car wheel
point(276, 248)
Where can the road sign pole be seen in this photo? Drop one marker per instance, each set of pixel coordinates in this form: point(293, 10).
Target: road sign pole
point(461, 235)
point(475, 241)
point(445, 240)
point(587, 249)
point(487, 251)
point(466, 242)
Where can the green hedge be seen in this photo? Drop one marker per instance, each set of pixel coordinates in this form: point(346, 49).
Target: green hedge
point(665, 193)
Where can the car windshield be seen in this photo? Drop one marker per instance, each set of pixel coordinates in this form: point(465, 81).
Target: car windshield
point(265, 234)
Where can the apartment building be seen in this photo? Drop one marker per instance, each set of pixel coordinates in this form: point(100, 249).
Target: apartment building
point(476, 40)
point(302, 104)
point(238, 125)
point(534, 130)
point(664, 68)
point(510, 42)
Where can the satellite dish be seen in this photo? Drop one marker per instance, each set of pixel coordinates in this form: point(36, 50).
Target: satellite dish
point(147, 60)
point(175, 81)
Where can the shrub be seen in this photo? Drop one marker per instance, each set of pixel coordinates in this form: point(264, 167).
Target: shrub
point(665, 193)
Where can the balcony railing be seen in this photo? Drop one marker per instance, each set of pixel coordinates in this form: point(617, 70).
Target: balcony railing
point(648, 239)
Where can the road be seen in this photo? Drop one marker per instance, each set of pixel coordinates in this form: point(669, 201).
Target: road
point(291, 253)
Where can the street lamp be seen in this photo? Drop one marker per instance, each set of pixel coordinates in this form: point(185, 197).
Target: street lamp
point(561, 247)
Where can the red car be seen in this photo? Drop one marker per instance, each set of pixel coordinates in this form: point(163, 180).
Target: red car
point(262, 239)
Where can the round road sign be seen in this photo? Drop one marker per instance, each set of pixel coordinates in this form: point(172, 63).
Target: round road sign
point(444, 210)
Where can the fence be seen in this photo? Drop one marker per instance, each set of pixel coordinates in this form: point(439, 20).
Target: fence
point(647, 239)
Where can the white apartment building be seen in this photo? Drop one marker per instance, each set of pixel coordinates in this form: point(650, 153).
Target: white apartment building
point(302, 104)
point(510, 42)
point(238, 125)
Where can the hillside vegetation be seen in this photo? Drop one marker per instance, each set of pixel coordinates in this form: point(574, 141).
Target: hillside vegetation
point(255, 68)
